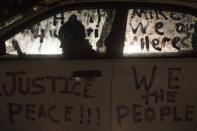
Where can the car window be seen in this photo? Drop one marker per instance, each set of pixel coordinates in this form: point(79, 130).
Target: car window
point(43, 38)
point(154, 31)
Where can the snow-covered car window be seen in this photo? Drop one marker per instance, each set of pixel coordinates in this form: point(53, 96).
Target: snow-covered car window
point(43, 37)
point(152, 31)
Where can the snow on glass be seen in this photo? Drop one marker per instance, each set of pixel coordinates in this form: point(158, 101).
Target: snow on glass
point(152, 31)
point(42, 38)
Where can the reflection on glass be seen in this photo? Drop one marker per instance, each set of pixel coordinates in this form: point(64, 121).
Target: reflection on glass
point(10, 21)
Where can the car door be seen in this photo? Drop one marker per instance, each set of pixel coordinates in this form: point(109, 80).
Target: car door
point(154, 85)
point(40, 89)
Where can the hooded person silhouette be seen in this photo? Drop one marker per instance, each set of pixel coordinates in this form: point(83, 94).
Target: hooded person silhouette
point(73, 43)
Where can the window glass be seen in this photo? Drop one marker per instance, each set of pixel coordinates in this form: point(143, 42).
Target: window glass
point(43, 37)
point(152, 31)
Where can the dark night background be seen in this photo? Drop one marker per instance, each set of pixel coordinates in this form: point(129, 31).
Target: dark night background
point(10, 7)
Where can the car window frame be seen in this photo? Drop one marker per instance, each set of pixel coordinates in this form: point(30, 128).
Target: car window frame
point(15, 28)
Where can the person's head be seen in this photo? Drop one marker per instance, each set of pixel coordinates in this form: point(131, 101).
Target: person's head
point(73, 17)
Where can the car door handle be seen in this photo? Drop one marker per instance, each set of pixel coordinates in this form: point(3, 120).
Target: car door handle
point(87, 73)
